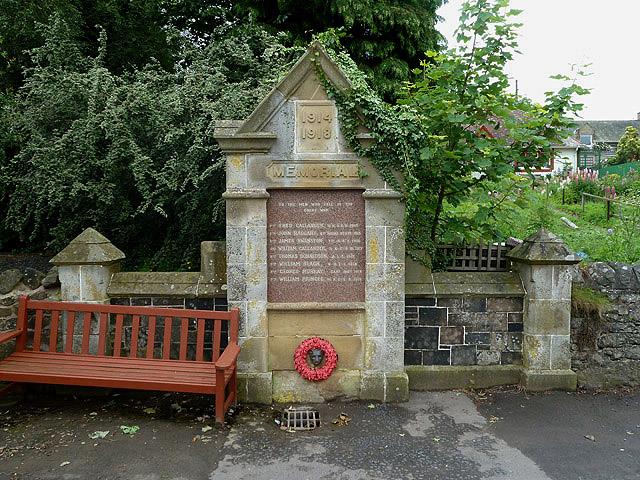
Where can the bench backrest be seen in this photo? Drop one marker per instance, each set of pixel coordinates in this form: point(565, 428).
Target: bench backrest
point(124, 331)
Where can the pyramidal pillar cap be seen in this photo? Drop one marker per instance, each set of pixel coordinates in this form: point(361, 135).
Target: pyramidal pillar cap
point(89, 248)
point(543, 247)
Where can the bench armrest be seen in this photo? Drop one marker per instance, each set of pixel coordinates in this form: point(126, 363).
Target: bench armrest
point(6, 336)
point(228, 357)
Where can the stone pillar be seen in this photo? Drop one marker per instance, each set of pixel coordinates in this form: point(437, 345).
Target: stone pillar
point(85, 267)
point(383, 376)
point(544, 263)
point(247, 288)
point(213, 261)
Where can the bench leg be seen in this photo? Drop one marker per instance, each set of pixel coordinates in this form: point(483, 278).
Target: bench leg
point(220, 407)
point(10, 388)
point(220, 396)
point(233, 386)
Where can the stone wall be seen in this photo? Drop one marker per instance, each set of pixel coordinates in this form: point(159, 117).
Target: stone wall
point(612, 358)
point(463, 330)
point(24, 281)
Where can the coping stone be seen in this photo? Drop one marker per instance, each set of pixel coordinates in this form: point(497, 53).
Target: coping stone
point(543, 247)
point(454, 284)
point(89, 248)
point(163, 284)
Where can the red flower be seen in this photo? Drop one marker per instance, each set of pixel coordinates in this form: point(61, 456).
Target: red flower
point(311, 373)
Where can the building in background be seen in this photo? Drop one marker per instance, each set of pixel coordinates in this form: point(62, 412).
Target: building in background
point(598, 140)
point(566, 157)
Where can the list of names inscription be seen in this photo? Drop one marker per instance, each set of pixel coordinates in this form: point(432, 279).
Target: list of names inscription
point(316, 246)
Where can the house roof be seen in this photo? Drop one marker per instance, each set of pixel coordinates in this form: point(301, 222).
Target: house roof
point(495, 126)
point(568, 142)
point(608, 131)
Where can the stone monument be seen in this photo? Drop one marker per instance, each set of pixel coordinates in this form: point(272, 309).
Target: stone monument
point(315, 246)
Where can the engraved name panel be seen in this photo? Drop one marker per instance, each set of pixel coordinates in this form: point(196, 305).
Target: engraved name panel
point(316, 127)
point(316, 246)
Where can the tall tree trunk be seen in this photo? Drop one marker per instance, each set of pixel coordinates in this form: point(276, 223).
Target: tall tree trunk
point(436, 215)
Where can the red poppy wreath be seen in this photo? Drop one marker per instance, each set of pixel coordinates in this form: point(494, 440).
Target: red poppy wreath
point(315, 359)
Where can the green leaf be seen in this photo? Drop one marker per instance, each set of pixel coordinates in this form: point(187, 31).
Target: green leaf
point(129, 429)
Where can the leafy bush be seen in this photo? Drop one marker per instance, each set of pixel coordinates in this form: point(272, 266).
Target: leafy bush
point(584, 181)
point(132, 154)
point(628, 149)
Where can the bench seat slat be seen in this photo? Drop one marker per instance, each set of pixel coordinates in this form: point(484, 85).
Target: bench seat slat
point(79, 370)
point(106, 372)
point(108, 382)
point(141, 363)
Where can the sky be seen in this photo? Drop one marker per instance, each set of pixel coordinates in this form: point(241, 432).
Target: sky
point(559, 33)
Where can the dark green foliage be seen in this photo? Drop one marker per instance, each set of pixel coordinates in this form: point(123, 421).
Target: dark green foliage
point(386, 38)
point(137, 30)
point(198, 18)
point(130, 154)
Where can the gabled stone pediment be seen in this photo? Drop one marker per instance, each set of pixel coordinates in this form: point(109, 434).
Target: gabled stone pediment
point(302, 83)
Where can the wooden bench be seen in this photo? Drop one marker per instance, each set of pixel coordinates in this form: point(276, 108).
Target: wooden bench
point(69, 343)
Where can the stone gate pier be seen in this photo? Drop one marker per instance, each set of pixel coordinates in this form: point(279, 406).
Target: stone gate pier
point(315, 246)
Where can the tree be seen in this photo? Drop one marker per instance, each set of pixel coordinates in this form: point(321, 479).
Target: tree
point(20, 32)
point(628, 147)
point(441, 137)
point(131, 154)
point(138, 31)
point(386, 38)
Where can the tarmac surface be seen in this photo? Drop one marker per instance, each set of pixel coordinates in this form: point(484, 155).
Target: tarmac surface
point(494, 434)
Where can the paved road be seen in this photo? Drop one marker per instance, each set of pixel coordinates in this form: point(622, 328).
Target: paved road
point(437, 435)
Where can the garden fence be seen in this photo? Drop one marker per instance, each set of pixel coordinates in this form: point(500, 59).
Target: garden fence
point(481, 257)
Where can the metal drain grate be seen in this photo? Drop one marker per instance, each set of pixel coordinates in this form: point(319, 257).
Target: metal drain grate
point(300, 418)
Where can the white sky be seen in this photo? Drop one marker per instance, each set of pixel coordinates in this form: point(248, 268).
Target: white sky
point(559, 33)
